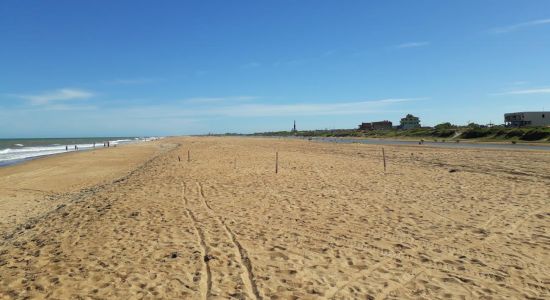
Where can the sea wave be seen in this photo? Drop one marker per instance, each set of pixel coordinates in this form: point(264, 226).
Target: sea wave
point(19, 152)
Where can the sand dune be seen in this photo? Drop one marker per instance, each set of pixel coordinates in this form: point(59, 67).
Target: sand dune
point(439, 224)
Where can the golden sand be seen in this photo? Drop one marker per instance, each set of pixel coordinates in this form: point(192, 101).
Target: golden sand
point(137, 222)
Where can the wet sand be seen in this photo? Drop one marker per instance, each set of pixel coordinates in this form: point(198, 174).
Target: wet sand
point(440, 223)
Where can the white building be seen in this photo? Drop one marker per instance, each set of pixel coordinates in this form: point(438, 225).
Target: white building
point(527, 118)
point(410, 122)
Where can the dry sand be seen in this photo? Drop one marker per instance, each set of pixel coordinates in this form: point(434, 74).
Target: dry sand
point(441, 223)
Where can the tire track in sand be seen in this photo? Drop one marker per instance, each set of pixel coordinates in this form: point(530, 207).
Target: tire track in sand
point(205, 284)
point(244, 261)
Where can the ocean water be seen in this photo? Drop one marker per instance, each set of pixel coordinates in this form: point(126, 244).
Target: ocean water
point(13, 151)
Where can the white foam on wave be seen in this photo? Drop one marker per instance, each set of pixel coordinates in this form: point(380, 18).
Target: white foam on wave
point(9, 155)
point(29, 152)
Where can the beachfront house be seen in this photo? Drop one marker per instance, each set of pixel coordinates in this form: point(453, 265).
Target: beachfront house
point(527, 118)
point(409, 122)
point(380, 125)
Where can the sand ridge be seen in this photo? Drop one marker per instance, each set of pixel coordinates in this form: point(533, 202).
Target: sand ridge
point(331, 224)
point(37, 186)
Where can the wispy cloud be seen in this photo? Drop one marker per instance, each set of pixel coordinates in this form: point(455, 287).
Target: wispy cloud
point(65, 107)
point(525, 92)
point(46, 98)
point(217, 100)
point(412, 45)
point(520, 82)
point(272, 110)
point(175, 118)
point(514, 27)
point(132, 81)
point(307, 109)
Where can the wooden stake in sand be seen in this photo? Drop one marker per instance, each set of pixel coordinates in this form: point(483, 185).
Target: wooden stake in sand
point(276, 162)
point(384, 157)
point(179, 158)
point(188, 155)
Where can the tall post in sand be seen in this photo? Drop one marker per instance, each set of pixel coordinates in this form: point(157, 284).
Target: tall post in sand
point(384, 157)
point(276, 162)
point(188, 155)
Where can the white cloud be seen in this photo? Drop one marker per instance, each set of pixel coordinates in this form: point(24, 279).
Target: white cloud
point(308, 109)
point(65, 94)
point(519, 26)
point(412, 45)
point(270, 110)
point(526, 92)
point(175, 118)
point(64, 107)
point(520, 82)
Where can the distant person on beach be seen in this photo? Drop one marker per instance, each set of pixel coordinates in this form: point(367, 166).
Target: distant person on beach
point(75, 147)
point(66, 148)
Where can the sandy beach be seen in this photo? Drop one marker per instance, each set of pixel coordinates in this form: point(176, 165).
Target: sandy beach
point(143, 222)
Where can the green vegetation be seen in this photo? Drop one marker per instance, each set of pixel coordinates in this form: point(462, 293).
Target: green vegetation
point(445, 126)
point(443, 131)
point(536, 134)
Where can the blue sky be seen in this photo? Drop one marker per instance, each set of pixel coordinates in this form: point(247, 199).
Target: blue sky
point(96, 68)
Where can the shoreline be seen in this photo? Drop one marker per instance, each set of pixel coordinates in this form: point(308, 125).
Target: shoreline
point(82, 148)
point(33, 158)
